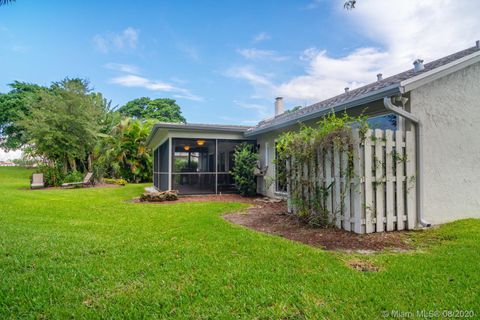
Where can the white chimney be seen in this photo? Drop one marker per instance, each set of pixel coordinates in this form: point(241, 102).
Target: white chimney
point(477, 44)
point(279, 107)
point(418, 65)
point(346, 89)
point(379, 77)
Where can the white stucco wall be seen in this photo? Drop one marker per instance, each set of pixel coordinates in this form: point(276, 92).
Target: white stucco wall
point(449, 109)
point(266, 185)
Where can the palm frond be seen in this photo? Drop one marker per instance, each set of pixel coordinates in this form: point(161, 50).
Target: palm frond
point(4, 2)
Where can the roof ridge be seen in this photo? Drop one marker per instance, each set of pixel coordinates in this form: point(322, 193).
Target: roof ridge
point(356, 93)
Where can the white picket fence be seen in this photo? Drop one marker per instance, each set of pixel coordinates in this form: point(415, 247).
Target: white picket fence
point(380, 195)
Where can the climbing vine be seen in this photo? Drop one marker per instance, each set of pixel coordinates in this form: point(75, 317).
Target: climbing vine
point(307, 148)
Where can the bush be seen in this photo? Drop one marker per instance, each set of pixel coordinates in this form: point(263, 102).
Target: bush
point(120, 182)
point(73, 176)
point(243, 169)
point(52, 175)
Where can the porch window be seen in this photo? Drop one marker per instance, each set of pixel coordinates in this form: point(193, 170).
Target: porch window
point(160, 166)
point(193, 167)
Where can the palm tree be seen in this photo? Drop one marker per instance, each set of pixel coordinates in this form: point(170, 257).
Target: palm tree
point(4, 2)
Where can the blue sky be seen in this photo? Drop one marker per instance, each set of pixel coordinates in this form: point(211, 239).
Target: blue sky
point(225, 61)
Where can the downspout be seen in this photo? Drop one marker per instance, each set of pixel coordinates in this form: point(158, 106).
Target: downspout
point(387, 102)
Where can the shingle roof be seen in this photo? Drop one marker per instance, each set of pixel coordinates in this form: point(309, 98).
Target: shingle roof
point(353, 95)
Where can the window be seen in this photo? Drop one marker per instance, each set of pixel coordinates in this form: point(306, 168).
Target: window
point(384, 122)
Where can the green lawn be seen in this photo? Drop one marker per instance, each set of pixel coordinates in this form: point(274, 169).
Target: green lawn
point(86, 253)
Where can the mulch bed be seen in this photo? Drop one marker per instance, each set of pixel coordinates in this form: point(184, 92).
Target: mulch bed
point(273, 218)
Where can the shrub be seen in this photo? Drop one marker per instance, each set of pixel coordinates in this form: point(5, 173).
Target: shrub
point(120, 182)
point(243, 169)
point(73, 176)
point(52, 175)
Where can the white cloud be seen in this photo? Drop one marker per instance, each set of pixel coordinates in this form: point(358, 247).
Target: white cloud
point(251, 75)
point(428, 29)
point(253, 54)
point(155, 85)
point(127, 68)
point(262, 36)
point(260, 111)
point(327, 76)
point(403, 29)
point(262, 83)
point(127, 39)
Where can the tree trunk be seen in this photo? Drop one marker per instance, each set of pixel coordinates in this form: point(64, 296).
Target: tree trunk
point(90, 166)
point(73, 164)
point(65, 165)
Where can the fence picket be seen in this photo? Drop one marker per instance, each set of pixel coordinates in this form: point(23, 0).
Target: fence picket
point(400, 174)
point(367, 156)
point(320, 180)
point(410, 178)
point(312, 173)
point(345, 188)
point(379, 186)
point(305, 192)
point(336, 194)
point(294, 188)
point(356, 187)
point(389, 179)
point(289, 184)
point(328, 182)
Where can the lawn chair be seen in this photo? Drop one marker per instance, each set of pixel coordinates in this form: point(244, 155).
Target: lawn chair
point(88, 180)
point(36, 181)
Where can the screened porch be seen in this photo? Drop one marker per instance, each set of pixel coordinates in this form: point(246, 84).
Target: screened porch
point(195, 165)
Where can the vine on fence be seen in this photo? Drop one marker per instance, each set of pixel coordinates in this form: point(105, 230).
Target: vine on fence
point(299, 150)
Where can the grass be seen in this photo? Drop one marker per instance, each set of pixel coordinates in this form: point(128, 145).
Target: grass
point(86, 253)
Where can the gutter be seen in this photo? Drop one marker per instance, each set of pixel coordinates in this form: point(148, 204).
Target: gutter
point(387, 102)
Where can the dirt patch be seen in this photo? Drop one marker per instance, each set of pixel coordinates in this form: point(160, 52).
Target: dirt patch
point(273, 218)
point(206, 198)
point(363, 266)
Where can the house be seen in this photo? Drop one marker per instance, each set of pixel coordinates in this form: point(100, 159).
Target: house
point(7, 164)
point(439, 101)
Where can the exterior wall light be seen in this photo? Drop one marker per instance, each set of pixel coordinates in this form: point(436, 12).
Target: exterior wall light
point(186, 148)
point(200, 142)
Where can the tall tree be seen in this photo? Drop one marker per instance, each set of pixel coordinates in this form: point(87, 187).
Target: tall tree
point(166, 110)
point(13, 106)
point(64, 123)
